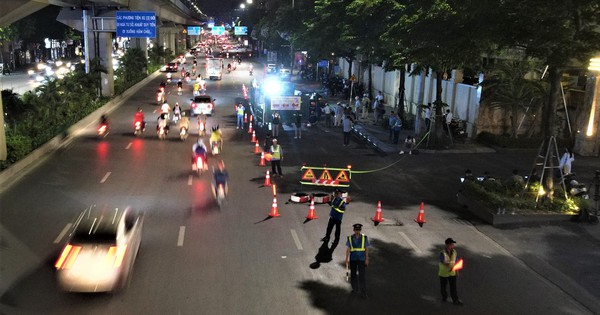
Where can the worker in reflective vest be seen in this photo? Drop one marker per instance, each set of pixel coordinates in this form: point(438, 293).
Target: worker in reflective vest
point(240, 115)
point(357, 257)
point(447, 260)
point(338, 207)
point(276, 157)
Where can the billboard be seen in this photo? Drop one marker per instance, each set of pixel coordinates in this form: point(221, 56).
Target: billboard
point(240, 30)
point(136, 24)
point(285, 102)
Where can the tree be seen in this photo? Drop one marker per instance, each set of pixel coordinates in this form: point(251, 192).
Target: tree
point(508, 89)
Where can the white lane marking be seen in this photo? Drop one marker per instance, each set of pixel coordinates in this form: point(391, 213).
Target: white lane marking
point(63, 232)
point(296, 239)
point(405, 237)
point(128, 146)
point(181, 236)
point(105, 177)
point(190, 180)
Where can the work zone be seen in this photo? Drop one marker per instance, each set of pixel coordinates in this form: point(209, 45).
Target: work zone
point(326, 176)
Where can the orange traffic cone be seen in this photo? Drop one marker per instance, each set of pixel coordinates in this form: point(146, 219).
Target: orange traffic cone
point(311, 210)
point(421, 217)
point(245, 118)
point(256, 148)
point(250, 128)
point(378, 218)
point(250, 117)
point(262, 159)
point(253, 137)
point(274, 211)
point(267, 180)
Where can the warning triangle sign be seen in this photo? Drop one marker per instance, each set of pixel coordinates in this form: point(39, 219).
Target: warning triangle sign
point(342, 177)
point(308, 175)
point(325, 175)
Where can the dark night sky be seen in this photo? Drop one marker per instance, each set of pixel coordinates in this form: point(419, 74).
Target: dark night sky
point(217, 8)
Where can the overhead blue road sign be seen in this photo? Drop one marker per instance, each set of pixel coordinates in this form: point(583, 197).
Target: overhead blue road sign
point(194, 30)
point(323, 63)
point(137, 24)
point(218, 30)
point(240, 30)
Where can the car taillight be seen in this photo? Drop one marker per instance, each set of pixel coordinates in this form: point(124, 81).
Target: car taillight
point(67, 257)
point(210, 105)
point(115, 255)
point(102, 129)
point(193, 105)
point(138, 124)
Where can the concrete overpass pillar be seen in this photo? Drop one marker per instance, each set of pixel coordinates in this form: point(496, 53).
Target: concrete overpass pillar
point(100, 46)
point(140, 43)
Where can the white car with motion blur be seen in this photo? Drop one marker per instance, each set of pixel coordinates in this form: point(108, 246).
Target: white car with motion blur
point(100, 253)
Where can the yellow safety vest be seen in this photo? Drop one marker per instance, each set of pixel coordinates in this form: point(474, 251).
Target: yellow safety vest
point(240, 110)
point(444, 271)
point(362, 244)
point(276, 152)
point(339, 207)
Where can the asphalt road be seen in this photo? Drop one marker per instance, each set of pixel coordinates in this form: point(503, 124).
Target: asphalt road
point(198, 259)
point(18, 82)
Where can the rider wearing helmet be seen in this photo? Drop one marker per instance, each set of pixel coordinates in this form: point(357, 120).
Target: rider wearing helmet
point(199, 149)
point(216, 137)
point(162, 122)
point(220, 178)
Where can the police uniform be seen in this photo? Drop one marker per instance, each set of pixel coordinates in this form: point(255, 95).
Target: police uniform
point(357, 256)
point(277, 155)
point(338, 207)
point(447, 259)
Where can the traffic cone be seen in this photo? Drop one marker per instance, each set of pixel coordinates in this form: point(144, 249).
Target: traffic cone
point(256, 148)
point(311, 210)
point(267, 180)
point(274, 211)
point(250, 117)
point(250, 128)
point(421, 217)
point(262, 159)
point(378, 218)
point(253, 137)
point(245, 118)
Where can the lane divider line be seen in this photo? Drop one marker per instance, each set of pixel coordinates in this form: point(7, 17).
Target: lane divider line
point(105, 177)
point(190, 180)
point(63, 232)
point(181, 236)
point(296, 239)
point(128, 146)
point(405, 237)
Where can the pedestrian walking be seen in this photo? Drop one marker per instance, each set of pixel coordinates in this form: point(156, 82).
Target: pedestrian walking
point(566, 161)
point(427, 115)
point(357, 105)
point(298, 126)
point(447, 259)
point(240, 110)
point(346, 128)
point(276, 157)
point(276, 121)
point(379, 112)
point(327, 110)
point(391, 124)
point(357, 258)
point(338, 207)
point(339, 114)
point(366, 105)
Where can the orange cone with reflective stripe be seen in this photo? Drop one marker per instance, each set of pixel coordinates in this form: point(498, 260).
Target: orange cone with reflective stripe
point(267, 180)
point(254, 137)
point(421, 217)
point(250, 127)
point(256, 148)
point(262, 159)
point(245, 118)
point(312, 214)
point(274, 211)
point(378, 218)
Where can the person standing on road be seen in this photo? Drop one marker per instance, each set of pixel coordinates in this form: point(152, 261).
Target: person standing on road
point(277, 156)
point(357, 258)
point(447, 259)
point(327, 111)
point(298, 126)
point(338, 207)
point(276, 121)
point(427, 115)
point(366, 106)
point(396, 129)
point(240, 109)
point(339, 114)
point(391, 124)
point(357, 104)
point(346, 128)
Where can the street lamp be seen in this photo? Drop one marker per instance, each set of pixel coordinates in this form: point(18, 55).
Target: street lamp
point(594, 66)
point(242, 6)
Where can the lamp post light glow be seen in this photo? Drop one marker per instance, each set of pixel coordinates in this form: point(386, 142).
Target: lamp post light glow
point(242, 6)
point(249, 1)
point(594, 66)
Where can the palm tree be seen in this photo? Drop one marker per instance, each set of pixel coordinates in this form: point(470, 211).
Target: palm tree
point(510, 90)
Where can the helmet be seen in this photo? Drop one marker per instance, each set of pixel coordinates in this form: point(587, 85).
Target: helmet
point(139, 109)
point(200, 142)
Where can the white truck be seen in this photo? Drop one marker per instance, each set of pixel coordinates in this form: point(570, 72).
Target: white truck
point(214, 68)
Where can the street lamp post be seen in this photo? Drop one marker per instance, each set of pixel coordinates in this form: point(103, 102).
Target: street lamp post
point(587, 142)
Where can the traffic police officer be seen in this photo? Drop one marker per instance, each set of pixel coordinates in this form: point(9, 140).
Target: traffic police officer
point(447, 260)
point(357, 256)
point(338, 207)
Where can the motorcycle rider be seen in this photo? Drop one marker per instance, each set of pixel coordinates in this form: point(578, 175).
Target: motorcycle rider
point(169, 76)
point(216, 137)
point(202, 84)
point(104, 120)
point(162, 122)
point(163, 85)
point(251, 69)
point(198, 150)
point(184, 122)
point(220, 176)
point(228, 67)
point(196, 88)
point(176, 112)
point(139, 116)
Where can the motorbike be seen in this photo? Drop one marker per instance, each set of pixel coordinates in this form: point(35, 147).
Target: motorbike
point(160, 96)
point(220, 195)
point(176, 117)
point(179, 90)
point(201, 129)
point(162, 132)
point(199, 164)
point(240, 61)
point(183, 133)
point(250, 71)
point(138, 128)
point(575, 188)
point(103, 130)
point(215, 148)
